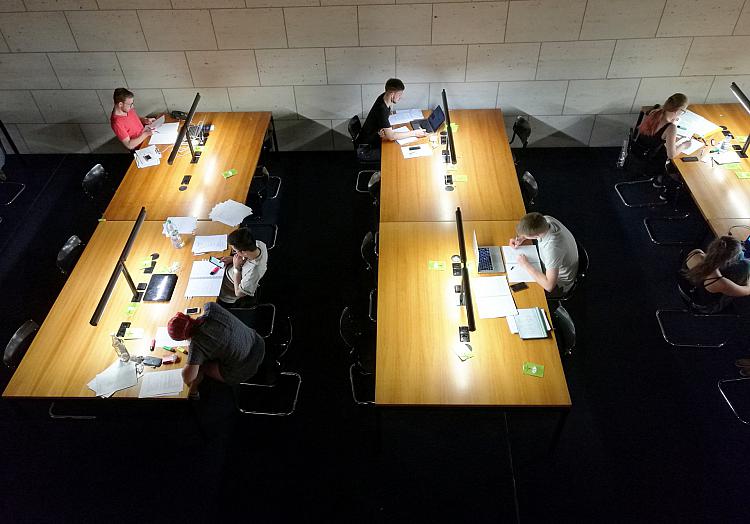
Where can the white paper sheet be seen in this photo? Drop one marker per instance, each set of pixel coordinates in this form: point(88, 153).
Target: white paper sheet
point(163, 339)
point(515, 272)
point(229, 212)
point(493, 297)
point(208, 243)
point(404, 116)
point(694, 146)
point(726, 157)
point(166, 134)
point(408, 139)
point(423, 150)
point(161, 383)
point(119, 375)
point(184, 225)
point(532, 323)
point(147, 157)
point(202, 283)
point(690, 124)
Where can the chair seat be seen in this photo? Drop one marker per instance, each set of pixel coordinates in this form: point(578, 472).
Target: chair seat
point(277, 399)
point(261, 318)
point(683, 328)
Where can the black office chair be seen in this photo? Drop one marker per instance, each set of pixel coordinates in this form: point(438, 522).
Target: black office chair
point(522, 130)
point(19, 343)
point(736, 393)
point(529, 188)
point(354, 127)
point(266, 233)
point(369, 253)
point(69, 254)
point(583, 269)
point(96, 183)
point(565, 331)
point(359, 339)
point(261, 318)
point(264, 184)
point(655, 225)
point(373, 305)
point(9, 191)
point(366, 179)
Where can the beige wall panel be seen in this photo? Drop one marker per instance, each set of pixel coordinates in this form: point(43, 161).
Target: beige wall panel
point(147, 101)
point(611, 130)
point(101, 139)
point(56, 138)
point(19, 107)
point(438, 63)
point(213, 99)
point(743, 23)
point(341, 139)
point(155, 69)
point(10, 6)
point(557, 131)
point(649, 57)
point(356, 2)
point(223, 68)
point(80, 106)
point(544, 20)
point(59, 5)
point(477, 95)
point(321, 26)
point(621, 19)
point(17, 137)
point(249, 28)
point(203, 4)
point(718, 55)
point(29, 32)
point(699, 17)
point(304, 135)
point(360, 65)
point(134, 4)
point(27, 71)
point(87, 70)
point(281, 3)
point(291, 66)
point(475, 23)
point(502, 62)
point(328, 102)
point(3, 46)
point(574, 60)
point(171, 30)
point(720, 92)
point(545, 97)
point(600, 96)
point(107, 30)
point(406, 25)
point(416, 96)
point(278, 100)
point(656, 90)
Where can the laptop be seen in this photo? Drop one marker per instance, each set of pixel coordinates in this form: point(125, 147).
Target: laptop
point(489, 258)
point(160, 287)
point(432, 123)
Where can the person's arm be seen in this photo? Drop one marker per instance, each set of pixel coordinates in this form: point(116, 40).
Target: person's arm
point(519, 241)
point(190, 373)
point(728, 288)
point(670, 142)
point(548, 279)
point(132, 143)
point(389, 134)
point(238, 262)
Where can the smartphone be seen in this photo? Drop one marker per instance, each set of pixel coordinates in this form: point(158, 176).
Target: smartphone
point(413, 148)
point(519, 286)
point(690, 159)
point(123, 327)
point(215, 261)
point(152, 361)
point(192, 311)
point(448, 180)
point(186, 180)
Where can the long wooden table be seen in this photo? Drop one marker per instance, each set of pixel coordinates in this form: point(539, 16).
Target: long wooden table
point(717, 191)
point(413, 190)
point(235, 143)
point(68, 352)
point(418, 320)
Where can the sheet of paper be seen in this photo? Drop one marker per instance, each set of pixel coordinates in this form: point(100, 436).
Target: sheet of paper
point(512, 324)
point(161, 383)
point(690, 123)
point(530, 323)
point(493, 297)
point(119, 375)
point(147, 157)
point(163, 339)
point(184, 225)
point(208, 243)
point(156, 124)
point(423, 150)
point(726, 157)
point(407, 140)
point(694, 146)
point(515, 272)
point(404, 116)
point(202, 283)
point(166, 134)
point(230, 213)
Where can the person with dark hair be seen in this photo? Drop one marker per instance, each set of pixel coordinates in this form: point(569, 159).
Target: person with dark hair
point(377, 125)
point(221, 347)
point(129, 128)
point(717, 275)
point(244, 268)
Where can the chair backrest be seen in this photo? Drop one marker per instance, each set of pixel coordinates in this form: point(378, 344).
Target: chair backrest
point(367, 250)
point(529, 188)
point(261, 318)
point(351, 328)
point(95, 181)
point(522, 129)
point(354, 127)
point(583, 263)
point(565, 330)
point(19, 344)
point(373, 186)
point(69, 254)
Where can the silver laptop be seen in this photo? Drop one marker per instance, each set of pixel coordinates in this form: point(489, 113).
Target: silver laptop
point(489, 258)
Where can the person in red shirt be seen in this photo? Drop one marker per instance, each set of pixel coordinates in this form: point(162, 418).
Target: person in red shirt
point(129, 128)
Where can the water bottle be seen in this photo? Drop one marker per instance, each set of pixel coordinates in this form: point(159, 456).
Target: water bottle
point(174, 235)
point(623, 154)
point(725, 144)
point(120, 349)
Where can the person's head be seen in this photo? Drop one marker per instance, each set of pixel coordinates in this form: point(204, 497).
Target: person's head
point(181, 326)
point(123, 99)
point(673, 107)
point(394, 88)
point(242, 241)
point(532, 225)
point(720, 253)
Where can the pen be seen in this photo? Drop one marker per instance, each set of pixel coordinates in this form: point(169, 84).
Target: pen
point(182, 350)
point(168, 348)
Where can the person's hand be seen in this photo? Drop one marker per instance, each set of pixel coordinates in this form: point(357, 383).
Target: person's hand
point(238, 260)
point(147, 131)
point(523, 262)
point(515, 242)
point(419, 133)
point(227, 261)
point(381, 133)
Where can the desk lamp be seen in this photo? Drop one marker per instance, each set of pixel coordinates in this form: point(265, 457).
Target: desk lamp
point(737, 92)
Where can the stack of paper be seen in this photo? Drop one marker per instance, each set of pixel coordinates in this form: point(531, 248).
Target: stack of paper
point(166, 134)
point(416, 151)
point(493, 297)
point(408, 139)
point(147, 157)
point(230, 213)
point(184, 225)
point(516, 273)
point(161, 384)
point(726, 157)
point(529, 323)
point(120, 375)
point(404, 116)
point(208, 243)
point(692, 124)
point(202, 283)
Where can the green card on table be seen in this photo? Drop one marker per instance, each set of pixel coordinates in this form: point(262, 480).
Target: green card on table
point(437, 265)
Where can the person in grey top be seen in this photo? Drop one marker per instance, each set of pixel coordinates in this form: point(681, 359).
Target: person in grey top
point(221, 346)
point(557, 251)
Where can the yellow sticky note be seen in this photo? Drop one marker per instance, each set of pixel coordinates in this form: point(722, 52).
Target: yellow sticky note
point(454, 127)
point(742, 174)
point(437, 265)
point(460, 178)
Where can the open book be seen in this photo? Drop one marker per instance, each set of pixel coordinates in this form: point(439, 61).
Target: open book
point(515, 272)
point(202, 283)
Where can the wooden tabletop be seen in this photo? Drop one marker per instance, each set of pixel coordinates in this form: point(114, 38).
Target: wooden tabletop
point(413, 190)
point(235, 143)
point(67, 351)
point(740, 227)
point(716, 190)
point(418, 322)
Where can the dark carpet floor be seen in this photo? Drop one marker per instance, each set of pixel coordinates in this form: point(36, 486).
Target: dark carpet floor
point(649, 439)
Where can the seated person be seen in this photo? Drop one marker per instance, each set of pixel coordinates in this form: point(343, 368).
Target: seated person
point(557, 251)
point(129, 128)
point(244, 268)
point(377, 126)
point(718, 275)
point(221, 346)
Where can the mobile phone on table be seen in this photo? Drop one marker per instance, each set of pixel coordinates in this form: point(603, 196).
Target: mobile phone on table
point(192, 311)
point(690, 159)
point(152, 361)
point(518, 286)
point(215, 261)
point(123, 327)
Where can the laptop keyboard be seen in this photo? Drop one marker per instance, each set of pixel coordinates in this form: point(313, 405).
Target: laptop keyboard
point(485, 260)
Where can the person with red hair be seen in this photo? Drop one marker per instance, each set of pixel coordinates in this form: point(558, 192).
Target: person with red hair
point(221, 347)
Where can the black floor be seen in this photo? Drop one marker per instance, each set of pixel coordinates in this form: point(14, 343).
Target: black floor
point(649, 438)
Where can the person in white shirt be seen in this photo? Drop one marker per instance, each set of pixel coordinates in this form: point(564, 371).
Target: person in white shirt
point(244, 268)
point(557, 250)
